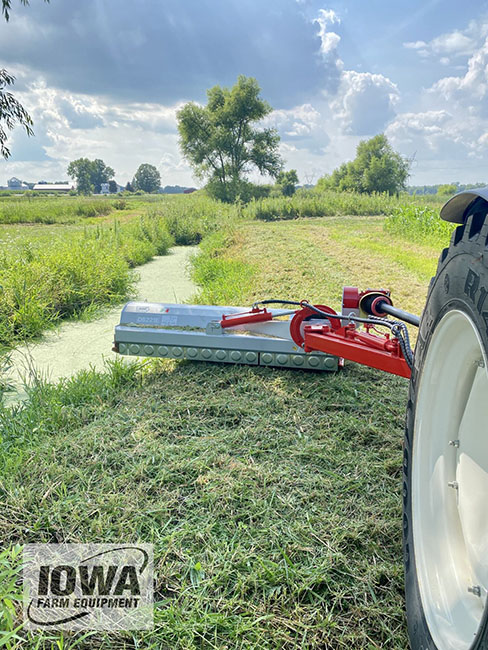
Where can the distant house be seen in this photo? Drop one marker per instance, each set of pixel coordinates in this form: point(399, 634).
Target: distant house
point(189, 190)
point(53, 187)
point(16, 184)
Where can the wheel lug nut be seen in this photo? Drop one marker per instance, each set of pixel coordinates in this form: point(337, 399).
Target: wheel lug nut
point(475, 590)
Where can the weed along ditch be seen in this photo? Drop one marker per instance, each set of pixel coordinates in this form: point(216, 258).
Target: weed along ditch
point(76, 345)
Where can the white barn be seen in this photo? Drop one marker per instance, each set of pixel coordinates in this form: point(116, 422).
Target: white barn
point(54, 187)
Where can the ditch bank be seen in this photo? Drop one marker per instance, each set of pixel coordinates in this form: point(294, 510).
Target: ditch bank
point(74, 346)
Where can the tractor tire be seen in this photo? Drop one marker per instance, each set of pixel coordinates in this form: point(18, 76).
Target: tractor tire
point(445, 488)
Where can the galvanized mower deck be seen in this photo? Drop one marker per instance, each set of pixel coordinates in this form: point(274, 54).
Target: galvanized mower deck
point(196, 332)
point(307, 337)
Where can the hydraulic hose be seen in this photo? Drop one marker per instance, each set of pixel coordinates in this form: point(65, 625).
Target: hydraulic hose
point(383, 306)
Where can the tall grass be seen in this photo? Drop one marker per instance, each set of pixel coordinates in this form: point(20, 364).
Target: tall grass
point(42, 282)
point(420, 224)
point(190, 218)
point(26, 209)
point(312, 203)
point(319, 205)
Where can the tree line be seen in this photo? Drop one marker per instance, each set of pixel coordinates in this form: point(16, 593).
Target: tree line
point(91, 174)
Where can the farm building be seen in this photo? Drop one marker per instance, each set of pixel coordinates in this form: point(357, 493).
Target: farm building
point(54, 187)
point(16, 184)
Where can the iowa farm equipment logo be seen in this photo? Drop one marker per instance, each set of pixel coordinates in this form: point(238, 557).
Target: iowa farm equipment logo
point(88, 586)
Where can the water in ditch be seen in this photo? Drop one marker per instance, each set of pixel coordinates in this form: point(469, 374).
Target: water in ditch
point(74, 346)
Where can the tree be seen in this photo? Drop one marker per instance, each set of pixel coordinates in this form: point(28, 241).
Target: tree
point(222, 144)
point(112, 187)
point(100, 173)
point(128, 187)
point(11, 110)
point(147, 178)
point(90, 174)
point(376, 168)
point(287, 182)
point(11, 113)
point(447, 190)
point(7, 5)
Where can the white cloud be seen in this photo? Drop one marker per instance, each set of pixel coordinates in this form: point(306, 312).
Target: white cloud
point(361, 103)
point(415, 45)
point(365, 102)
point(300, 121)
point(407, 128)
point(457, 43)
point(329, 40)
point(69, 125)
point(452, 43)
point(469, 91)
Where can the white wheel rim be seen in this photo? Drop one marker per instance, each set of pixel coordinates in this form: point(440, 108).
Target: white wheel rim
point(450, 483)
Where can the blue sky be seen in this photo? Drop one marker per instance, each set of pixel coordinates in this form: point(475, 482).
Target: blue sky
point(105, 78)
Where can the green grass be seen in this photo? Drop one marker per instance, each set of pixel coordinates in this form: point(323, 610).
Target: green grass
point(313, 259)
point(282, 486)
point(191, 218)
point(222, 278)
point(26, 209)
point(312, 203)
point(273, 497)
point(61, 274)
point(419, 223)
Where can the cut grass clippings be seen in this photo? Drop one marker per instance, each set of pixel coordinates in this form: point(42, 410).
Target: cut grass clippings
point(282, 487)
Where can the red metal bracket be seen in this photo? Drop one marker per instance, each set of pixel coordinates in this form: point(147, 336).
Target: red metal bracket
point(376, 351)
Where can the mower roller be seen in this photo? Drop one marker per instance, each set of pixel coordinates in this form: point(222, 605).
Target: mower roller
point(445, 481)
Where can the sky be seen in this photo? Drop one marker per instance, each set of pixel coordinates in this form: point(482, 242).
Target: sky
point(105, 79)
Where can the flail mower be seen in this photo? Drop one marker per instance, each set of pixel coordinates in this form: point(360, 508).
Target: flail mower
point(445, 480)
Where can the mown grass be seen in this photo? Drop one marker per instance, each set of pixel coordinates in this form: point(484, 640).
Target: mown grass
point(45, 280)
point(273, 498)
point(313, 259)
point(269, 495)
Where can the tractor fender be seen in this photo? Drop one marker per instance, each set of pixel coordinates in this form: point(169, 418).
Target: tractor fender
point(461, 205)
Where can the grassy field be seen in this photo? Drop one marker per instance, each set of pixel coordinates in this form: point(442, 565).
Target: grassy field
point(273, 497)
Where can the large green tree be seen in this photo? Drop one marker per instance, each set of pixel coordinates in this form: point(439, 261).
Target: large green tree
point(376, 168)
point(90, 174)
point(221, 141)
point(287, 182)
point(12, 113)
point(147, 178)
